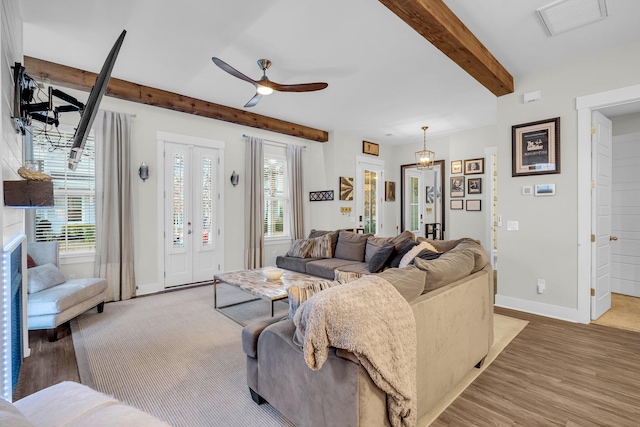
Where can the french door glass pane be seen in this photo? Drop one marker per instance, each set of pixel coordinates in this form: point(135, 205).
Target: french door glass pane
point(207, 201)
point(370, 201)
point(414, 203)
point(178, 200)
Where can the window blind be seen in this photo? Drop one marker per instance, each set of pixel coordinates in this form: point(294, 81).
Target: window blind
point(276, 197)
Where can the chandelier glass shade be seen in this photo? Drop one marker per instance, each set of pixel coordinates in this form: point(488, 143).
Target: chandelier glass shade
point(425, 158)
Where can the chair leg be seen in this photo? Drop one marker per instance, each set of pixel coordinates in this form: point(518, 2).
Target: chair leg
point(101, 307)
point(256, 397)
point(52, 334)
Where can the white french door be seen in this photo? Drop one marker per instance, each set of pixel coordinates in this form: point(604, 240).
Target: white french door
point(413, 201)
point(191, 214)
point(369, 194)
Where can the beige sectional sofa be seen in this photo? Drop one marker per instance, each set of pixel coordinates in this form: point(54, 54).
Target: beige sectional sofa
point(454, 321)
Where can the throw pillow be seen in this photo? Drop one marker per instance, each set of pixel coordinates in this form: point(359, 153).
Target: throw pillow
point(409, 256)
point(451, 266)
point(300, 248)
point(408, 281)
point(11, 416)
point(351, 246)
point(299, 294)
point(402, 237)
point(334, 237)
point(30, 262)
point(373, 245)
point(321, 247)
point(428, 255)
point(480, 255)
point(43, 277)
point(381, 259)
point(346, 276)
point(401, 250)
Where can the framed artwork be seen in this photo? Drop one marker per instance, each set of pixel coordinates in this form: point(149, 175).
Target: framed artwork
point(536, 148)
point(389, 191)
point(430, 194)
point(545, 190)
point(457, 186)
point(370, 148)
point(474, 205)
point(456, 166)
point(320, 196)
point(346, 188)
point(474, 166)
point(474, 186)
point(456, 205)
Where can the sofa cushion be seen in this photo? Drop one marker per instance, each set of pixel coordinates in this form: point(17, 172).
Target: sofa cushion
point(411, 254)
point(401, 251)
point(351, 246)
point(43, 277)
point(448, 268)
point(31, 262)
point(382, 258)
point(300, 248)
point(293, 263)
point(480, 255)
point(428, 255)
point(402, 237)
point(325, 267)
point(59, 298)
point(11, 416)
point(299, 294)
point(360, 268)
point(334, 236)
point(321, 247)
point(374, 244)
point(408, 281)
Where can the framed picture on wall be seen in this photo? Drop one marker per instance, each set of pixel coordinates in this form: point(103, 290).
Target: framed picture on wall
point(456, 205)
point(474, 186)
point(474, 205)
point(430, 194)
point(346, 188)
point(390, 191)
point(456, 166)
point(535, 148)
point(474, 166)
point(457, 186)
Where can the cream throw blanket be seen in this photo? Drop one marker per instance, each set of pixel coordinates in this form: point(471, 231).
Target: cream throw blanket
point(369, 318)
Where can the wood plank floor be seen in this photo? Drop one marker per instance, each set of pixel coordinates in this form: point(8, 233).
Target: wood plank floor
point(554, 373)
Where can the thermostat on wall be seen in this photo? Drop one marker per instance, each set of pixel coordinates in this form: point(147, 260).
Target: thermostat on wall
point(527, 190)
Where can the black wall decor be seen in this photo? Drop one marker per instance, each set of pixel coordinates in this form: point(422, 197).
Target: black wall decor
point(320, 196)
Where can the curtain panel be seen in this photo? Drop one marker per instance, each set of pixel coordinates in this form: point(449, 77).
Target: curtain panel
point(296, 189)
point(254, 203)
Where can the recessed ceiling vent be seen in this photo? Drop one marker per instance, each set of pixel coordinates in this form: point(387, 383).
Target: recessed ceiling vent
point(566, 15)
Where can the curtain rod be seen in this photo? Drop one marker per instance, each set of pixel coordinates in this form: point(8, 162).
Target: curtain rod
point(273, 142)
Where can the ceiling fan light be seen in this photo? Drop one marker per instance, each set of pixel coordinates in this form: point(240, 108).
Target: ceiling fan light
point(264, 90)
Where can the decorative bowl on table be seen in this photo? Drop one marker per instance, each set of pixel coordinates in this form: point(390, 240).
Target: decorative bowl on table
point(272, 273)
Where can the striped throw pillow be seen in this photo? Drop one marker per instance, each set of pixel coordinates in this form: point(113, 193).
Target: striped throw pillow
point(300, 248)
point(321, 247)
point(299, 294)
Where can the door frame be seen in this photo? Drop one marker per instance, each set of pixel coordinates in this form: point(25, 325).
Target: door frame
point(161, 138)
point(585, 105)
point(378, 164)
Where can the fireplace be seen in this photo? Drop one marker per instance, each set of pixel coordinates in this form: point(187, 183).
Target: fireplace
point(14, 334)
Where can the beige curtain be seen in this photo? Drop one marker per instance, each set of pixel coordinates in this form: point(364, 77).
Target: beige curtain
point(296, 187)
point(114, 218)
point(254, 203)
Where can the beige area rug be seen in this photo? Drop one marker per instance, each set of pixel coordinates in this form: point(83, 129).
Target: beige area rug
point(624, 313)
point(172, 355)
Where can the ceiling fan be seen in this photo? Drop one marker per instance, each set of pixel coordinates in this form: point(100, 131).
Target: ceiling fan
point(264, 86)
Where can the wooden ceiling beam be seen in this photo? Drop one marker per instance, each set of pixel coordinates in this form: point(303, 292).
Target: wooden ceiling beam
point(75, 78)
point(440, 26)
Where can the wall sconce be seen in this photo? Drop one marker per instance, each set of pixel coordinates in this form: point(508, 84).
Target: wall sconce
point(143, 172)
point(234, 178)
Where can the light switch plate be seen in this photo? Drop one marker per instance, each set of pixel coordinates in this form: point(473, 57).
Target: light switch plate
point(513, 225)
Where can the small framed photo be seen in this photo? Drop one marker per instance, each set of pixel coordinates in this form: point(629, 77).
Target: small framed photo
point(474, 186)
point(457, 186)
point(545, 190)
point(535, 148)
point(430, 194)
point(456, 205)
point(390, 191)
point(474, 205)
point(474, 166)
point(456, 166)
point(370, 148)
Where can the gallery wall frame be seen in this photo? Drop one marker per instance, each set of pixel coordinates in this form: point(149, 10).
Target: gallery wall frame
point(456, 166)
point(535, 148)
point(457, 186)
point(456, 205)
point(390, 191)
point(474, 167)
point(474, 185)
point(474, 205)
point(346, 188)
point(370, 148)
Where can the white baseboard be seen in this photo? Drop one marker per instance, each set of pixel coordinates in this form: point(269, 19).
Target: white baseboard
point(541, 309)
point(148, 288)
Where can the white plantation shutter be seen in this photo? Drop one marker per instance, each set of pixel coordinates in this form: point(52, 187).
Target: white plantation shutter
point(276, 197)
point(72, 220)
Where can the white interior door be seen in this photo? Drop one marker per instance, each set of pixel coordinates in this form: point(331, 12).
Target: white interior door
point(191, 230)
point(370, 195)
point(413, 209)
point(601, 214)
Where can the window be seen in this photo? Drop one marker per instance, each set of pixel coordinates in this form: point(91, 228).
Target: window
point(276, 197)
point(72, 220)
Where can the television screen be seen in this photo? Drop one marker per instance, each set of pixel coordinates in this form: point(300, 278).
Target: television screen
point(91, 108)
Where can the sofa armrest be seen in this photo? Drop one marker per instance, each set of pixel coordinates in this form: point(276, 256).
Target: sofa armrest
point(252, 331)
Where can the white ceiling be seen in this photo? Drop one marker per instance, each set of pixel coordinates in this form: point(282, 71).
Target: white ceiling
point(385, 80)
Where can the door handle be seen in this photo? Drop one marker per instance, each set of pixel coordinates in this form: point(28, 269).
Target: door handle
point(613, 237)
point(189, 232)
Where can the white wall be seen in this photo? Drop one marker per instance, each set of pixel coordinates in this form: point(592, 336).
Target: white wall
point(546, 245)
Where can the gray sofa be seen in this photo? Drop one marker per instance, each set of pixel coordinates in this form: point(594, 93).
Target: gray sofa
point(351, 253)
point(454, 317)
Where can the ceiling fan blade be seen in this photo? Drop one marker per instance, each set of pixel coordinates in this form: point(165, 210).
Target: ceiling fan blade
point(253, 101)
point(302, 87)
point(229, 69)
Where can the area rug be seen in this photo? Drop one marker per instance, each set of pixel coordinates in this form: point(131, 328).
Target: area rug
point(623, 314)
point(172, 355)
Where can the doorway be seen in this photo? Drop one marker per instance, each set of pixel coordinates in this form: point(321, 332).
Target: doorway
point(192, 222)
point(369, 195)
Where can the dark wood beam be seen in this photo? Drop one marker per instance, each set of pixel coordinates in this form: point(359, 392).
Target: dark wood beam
point(75, 78)
point(438, 24)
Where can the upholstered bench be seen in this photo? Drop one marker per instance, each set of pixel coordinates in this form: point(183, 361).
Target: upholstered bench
point(58, 300)
point(72, 404)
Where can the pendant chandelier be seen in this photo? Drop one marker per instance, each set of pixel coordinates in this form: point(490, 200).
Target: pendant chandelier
point(425, 158)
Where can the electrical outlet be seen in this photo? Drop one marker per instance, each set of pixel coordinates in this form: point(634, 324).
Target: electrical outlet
point(513, 225)
point(541, 286)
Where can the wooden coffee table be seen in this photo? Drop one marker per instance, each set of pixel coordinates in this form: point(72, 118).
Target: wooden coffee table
point(254, 282)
